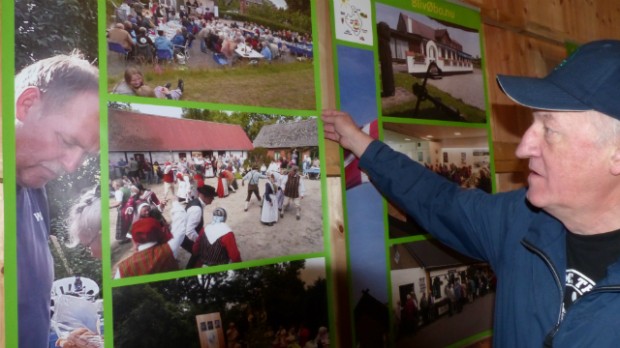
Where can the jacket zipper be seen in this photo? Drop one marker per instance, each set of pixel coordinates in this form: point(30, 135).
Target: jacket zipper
point(551, 334)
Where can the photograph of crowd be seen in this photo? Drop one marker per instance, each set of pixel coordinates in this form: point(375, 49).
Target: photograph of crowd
point(231, 52)
point(430, 69)
point(460, 154)
point(211, 188)
point(439, 297)
point(279, 306)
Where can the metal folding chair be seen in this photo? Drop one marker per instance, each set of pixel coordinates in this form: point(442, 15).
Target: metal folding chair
point(163, 55)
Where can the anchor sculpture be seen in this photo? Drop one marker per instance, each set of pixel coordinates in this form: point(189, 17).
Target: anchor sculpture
point(422, 94)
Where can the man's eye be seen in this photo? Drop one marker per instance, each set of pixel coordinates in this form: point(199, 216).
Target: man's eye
point(63, 141)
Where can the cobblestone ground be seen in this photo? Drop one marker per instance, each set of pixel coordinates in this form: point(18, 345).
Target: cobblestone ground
point(255, 240)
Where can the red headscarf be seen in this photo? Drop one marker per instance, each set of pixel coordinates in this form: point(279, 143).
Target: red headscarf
point(146, 230)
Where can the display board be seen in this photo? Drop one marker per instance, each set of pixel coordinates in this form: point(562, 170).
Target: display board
point(169, 177)
point(412, 74)
point(166, 173)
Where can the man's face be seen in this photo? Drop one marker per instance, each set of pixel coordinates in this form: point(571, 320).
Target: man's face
point(206, 199)
point(569, 164)
point(52, 142)
point(144, 211)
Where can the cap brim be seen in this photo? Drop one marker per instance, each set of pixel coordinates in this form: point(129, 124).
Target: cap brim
point(539, 94)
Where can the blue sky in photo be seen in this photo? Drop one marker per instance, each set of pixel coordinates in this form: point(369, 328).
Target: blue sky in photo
point(356, 76)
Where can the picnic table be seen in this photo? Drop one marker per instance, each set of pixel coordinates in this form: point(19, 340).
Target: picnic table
point(84, 287)
point(170, 29)
point(299, 49)
point(245, 51)
point(313, 173)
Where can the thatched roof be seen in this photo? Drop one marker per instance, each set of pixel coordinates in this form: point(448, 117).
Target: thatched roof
point(288, 135)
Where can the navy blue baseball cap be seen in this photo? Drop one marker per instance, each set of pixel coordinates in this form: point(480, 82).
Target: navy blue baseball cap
point(589, 79)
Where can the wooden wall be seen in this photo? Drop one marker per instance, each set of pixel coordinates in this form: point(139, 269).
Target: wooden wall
point(527, 37)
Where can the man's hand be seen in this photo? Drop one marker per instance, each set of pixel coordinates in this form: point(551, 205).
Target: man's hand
point(339, 127)
point(81, 338)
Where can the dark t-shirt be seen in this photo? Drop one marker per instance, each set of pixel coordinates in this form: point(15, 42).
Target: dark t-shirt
point(588, 257)
point(35, 268)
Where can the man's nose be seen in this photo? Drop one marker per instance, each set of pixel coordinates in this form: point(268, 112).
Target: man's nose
point(529, 145)
point(73, 158)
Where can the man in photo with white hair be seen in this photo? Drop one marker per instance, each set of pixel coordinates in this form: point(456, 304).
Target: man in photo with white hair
point(56, 129)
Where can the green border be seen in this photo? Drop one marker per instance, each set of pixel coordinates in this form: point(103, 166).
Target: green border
point(470, 18)
point(8, 155)
point(106, 271)
point(110, 284)
point(459, 14)
point(471, 339)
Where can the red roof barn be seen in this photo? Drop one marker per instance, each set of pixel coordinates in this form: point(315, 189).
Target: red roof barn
point(131, 131)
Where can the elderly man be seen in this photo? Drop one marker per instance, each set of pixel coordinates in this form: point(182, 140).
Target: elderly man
point(56, 128)
point(119, 35)
point(555, 245)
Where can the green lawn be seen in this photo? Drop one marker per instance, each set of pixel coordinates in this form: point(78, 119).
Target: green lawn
point(277, 85)
point(427, 109)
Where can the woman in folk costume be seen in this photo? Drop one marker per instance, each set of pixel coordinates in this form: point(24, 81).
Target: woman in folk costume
point(199, 180)
point(216, 243)
point(156, 250)
point(208, 168)
point(231, 181)
point(184, 187)
point(128, 211)
point(146, 195)
point(222, 184)
point(269, 212)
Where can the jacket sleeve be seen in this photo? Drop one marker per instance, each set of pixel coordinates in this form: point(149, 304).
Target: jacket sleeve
point(231, 247)
point(194, 214)
point(177, 227)
point(471, 221)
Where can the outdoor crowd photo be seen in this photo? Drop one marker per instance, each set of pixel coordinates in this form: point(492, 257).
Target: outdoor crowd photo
point(212, 196)
point(235, 53)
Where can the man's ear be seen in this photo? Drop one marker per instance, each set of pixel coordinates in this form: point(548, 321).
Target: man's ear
point(615, 161)
point(25, 101)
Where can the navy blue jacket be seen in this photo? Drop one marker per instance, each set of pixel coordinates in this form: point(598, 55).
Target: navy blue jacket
point(525, 246)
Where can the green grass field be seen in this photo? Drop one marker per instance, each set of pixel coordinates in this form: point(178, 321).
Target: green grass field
point(427, 109)
point(277, 85)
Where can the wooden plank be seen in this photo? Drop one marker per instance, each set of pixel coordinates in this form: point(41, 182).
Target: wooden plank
point(338, 251)
point(554, 21)
point(510, 181)
point(328, 88)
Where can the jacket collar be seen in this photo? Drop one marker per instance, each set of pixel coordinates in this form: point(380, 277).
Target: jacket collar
point(547, 235)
